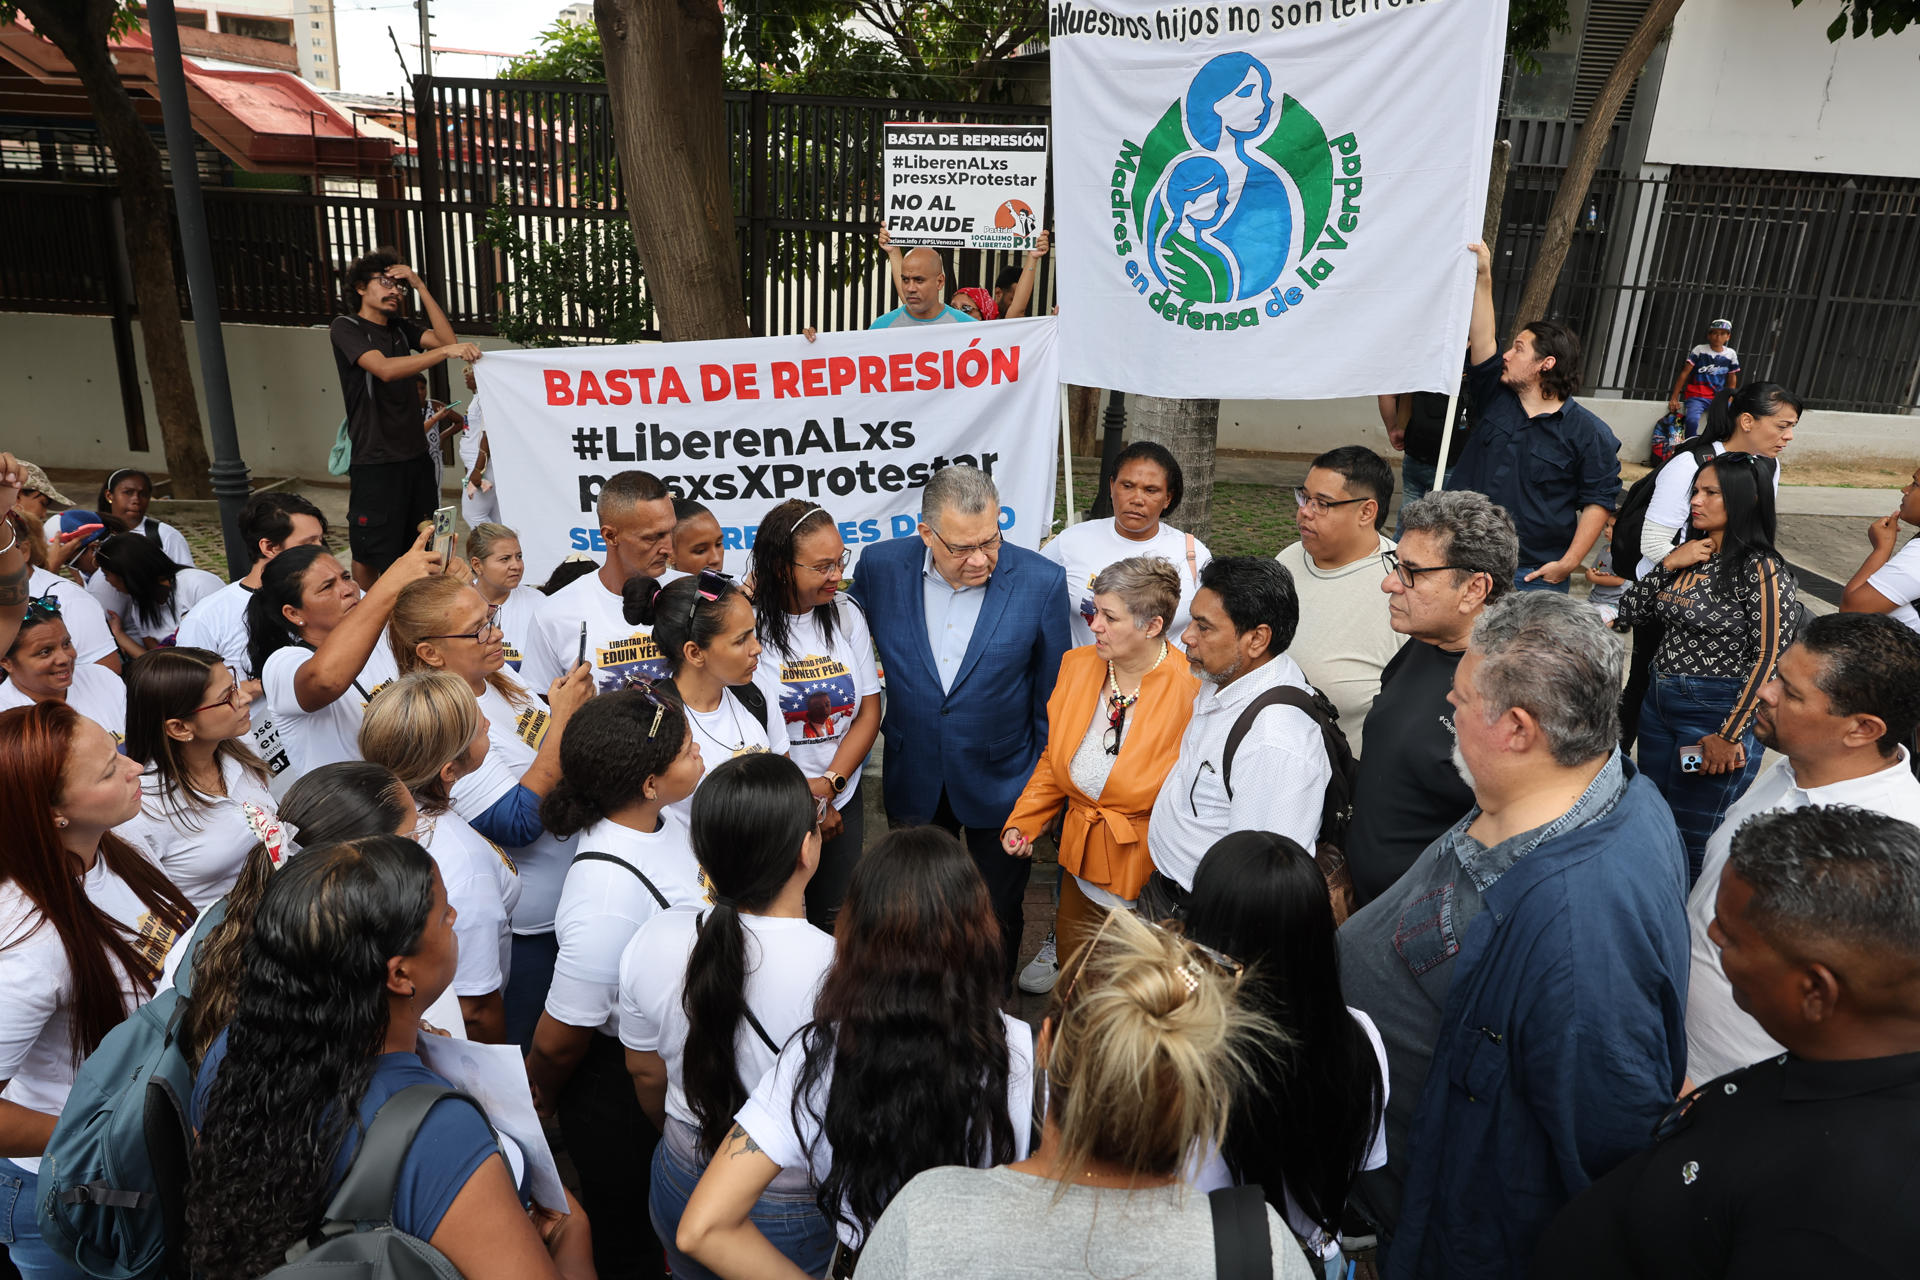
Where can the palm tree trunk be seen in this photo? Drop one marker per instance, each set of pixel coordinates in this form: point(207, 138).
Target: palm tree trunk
point(1190, 430)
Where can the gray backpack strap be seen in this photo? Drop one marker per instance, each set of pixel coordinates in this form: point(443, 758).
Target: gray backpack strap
point(366, 1193)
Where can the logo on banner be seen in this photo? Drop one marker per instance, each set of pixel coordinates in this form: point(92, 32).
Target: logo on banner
point(1016, 216)
point(1226, 214)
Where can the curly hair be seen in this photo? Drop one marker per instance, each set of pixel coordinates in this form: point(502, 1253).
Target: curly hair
point(309, 1022)
point(908, 1025)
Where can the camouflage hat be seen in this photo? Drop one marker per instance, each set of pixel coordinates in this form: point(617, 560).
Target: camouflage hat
point(36, 480)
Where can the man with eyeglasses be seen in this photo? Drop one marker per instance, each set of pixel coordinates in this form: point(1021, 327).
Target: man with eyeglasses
point(636, 520)
point(1345, 640)
point(1456, 556)
point(970, 632)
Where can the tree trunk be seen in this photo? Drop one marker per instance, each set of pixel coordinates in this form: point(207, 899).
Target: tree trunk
point(1189, 430)
point(1588, 147)
point(80, 33)
point(1083, 419)
point(664, 79)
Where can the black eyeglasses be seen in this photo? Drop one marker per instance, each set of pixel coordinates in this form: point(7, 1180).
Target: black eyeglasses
point(478, 636)
point(1321, 505)
point(710, 585)
point(988, 547)
point(825, 567)
point(1409, 573)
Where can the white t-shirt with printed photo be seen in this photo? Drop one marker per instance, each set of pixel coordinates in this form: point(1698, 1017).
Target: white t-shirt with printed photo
point(604, 905)
point(331, 733)
point(202, 849)
point(786, 960)
point(482, 888)
point(514, 735)
point(95, 693)
point(36, 1052)
point(86, 620)
point(822, 685)
point(1084, 549)
point(621, 652)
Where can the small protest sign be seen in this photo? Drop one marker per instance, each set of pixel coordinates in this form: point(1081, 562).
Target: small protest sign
point(966, 186)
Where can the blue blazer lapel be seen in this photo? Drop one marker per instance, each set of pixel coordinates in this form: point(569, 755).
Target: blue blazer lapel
point(999, 591)
point(914, 602)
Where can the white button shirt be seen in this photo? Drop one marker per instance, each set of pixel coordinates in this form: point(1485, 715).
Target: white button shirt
point(1721, 1036)
point(1280, 774)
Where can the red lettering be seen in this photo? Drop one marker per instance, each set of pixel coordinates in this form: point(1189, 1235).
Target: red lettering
point(840, 373)
point(928, 363)
point(745, 386)
point(618, 392)
point(873, 374)
point(671, 388)
point(813, 376)
point(558, 392)
point(900, 366)
point(786, 379)
point(1006, 365)
point(714, 383)
point(644, 377)
point(590, 388)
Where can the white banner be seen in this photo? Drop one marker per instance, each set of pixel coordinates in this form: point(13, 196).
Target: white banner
point(966, 186)
point(856, 422)
point(1270, 200)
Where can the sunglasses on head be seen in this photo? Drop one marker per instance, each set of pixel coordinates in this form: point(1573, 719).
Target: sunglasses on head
point(710, 585)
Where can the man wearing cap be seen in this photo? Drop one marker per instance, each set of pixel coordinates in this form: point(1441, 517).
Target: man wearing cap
point(39, 501)
point(1708, 367)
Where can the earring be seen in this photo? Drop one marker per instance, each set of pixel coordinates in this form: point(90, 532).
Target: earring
point(59, 822)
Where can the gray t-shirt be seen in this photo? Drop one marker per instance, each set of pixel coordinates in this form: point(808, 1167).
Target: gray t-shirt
point(961, 1224)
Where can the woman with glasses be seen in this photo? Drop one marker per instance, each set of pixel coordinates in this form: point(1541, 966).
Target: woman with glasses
point(427, 728)
point(707, 997)
point(85, 922)
point(1308, 1120)
point(188, 721)
point(1146, 489)
point(628, 755)
point(1141, 1054)
point(41, 666)
point(1728, 605)
point(498, 567)
point(705, 628)
point(145, 593)
point(1113, 732)
point(441, 624)
point(907, 1065)
point(817, 651)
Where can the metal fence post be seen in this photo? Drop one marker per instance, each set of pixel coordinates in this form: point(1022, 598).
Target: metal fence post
point(1809, 362)
point(432, 230)
point(758, 140)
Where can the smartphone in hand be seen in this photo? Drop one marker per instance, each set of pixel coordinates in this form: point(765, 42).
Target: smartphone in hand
point(443, 535)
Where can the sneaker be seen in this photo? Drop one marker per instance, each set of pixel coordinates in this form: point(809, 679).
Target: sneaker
point(1042, 971)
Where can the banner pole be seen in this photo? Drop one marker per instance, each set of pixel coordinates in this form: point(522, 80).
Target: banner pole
point(1066, 456)
point(1453, 404)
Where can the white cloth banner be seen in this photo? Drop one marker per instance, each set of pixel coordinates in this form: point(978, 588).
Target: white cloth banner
point(856, 422)
point(1273, 200)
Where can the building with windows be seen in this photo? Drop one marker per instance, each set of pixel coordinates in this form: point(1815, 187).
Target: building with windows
point(303, 27)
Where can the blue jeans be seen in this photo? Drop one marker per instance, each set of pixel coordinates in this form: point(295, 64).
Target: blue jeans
point(1691, 413)
point(20, 1228)
point(790, 1220)
point(1677, 713)
point(527, 983)
point(1520, 582)
point(1416, 482)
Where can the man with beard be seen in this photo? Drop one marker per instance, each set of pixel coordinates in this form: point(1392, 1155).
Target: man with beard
point(1843, 701)
point(1528, 973)
point(1244, 617)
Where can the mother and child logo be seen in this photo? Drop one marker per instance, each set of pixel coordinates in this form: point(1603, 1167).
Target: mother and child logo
point(1229, 189)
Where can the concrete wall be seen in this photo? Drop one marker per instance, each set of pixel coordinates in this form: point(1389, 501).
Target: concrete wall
point(1754, 84)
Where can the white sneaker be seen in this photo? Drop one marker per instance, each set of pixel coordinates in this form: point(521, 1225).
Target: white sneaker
point(1042, 971)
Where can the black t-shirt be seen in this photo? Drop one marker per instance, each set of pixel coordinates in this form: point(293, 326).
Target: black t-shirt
point(1408, 792)
point(388, 429)
point(1788, 1168)
point(1424, 426)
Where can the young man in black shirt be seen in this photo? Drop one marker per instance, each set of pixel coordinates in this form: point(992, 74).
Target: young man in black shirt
point(392, 476)
point(1801, 1164)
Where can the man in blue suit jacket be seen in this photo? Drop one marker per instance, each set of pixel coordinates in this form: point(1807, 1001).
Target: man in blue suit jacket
point(970, 633)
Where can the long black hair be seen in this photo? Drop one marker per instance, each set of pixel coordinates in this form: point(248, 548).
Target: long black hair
point(678, 613)
point(310, 1020)
point(613, 745)
point(1759, 399)
point(773, 564)
point(751, 816)
point(908, 1024)
point(1306, 1124)
point(268, 630)
point(1746, 490)
point(147, 575)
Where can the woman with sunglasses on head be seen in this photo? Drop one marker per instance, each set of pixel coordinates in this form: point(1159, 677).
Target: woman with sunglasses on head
point(126, 495)
point(705, 628)
point(85, 922)
point(817, 651)
point(1114, 724)
point(708, 996)
point(498, 569)
point(442, 624)
point(628, 755)
point(86, 620)
point(427, 728)
point(41, 666)
point(1727, 605)
point(144, 592)
point(908, 1064)
point(1307, 1121)
point(314, 642)
point(188, 722)
point(350, 942)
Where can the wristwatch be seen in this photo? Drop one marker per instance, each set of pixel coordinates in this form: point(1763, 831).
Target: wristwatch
point(837, 781)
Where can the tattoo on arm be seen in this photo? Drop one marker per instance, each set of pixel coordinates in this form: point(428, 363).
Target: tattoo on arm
point(739, 1132)
point(14, 586)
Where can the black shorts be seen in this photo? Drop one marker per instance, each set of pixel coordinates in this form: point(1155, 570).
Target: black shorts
point(386, 503)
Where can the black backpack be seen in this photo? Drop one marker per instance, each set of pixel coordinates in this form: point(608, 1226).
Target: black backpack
point(1336, 811)
point(1630, 519)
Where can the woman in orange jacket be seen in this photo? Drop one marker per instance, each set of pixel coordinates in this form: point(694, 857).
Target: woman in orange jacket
point(1114, 725)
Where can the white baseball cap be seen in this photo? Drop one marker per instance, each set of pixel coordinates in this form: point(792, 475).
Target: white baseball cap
point(1721, 324)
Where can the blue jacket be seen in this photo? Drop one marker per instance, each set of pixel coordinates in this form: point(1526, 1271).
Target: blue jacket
point(1562, 1044)
point(979, 741)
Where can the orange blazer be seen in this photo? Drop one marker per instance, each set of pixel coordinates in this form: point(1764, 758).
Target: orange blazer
point(1104, 841)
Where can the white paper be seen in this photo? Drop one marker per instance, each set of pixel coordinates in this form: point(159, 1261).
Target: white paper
point(496, 1076)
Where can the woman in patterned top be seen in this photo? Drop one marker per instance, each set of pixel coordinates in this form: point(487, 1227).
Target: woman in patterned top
point(1728, 604)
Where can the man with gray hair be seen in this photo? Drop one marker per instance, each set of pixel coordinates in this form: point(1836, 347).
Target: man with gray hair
point(1528, 973)
point(970, 632)
point(1456, 556)
point(1801, 1164)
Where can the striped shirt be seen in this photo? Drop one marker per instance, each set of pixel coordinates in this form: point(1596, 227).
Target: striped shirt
point(1717, 628)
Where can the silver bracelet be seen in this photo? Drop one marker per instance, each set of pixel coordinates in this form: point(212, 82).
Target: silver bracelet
point(13, 541)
